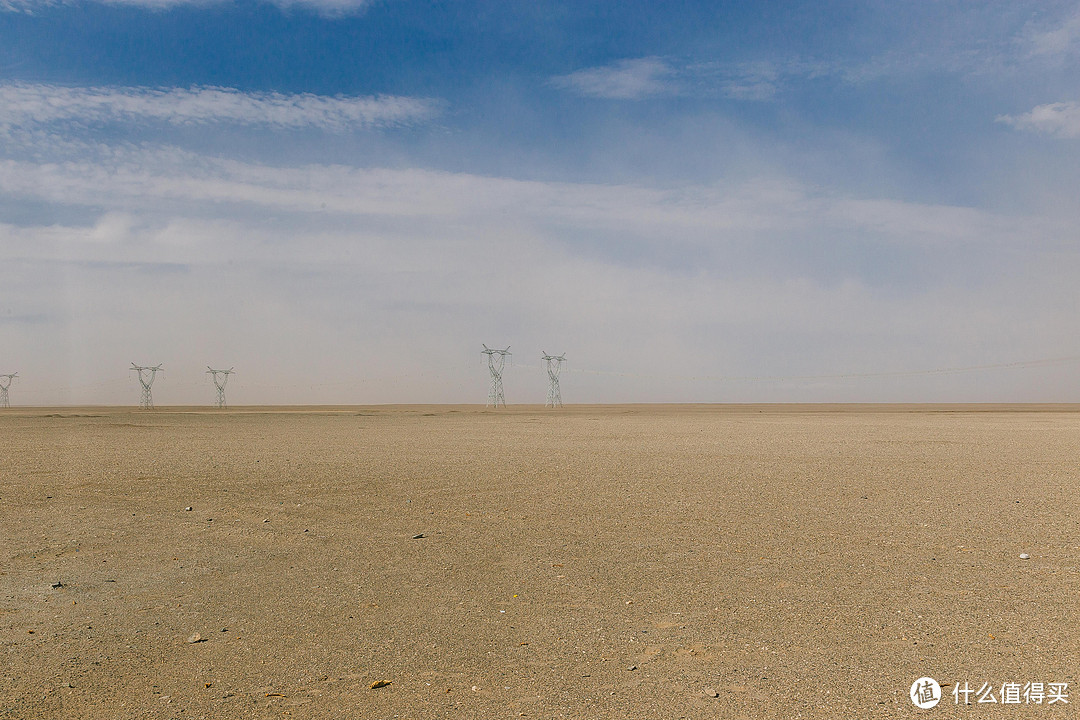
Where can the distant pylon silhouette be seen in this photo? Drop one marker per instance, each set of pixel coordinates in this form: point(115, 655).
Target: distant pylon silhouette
point(554, 365)
point(496, 362)
point(5, 383)
point(146, 402)
point(220, 385)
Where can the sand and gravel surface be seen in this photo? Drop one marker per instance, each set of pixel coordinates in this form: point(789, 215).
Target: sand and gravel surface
point(588, 562)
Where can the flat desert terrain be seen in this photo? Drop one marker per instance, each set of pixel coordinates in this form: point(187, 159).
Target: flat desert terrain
point(587, 562)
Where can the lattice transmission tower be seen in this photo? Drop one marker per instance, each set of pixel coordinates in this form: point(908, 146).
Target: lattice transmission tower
point(220, 384)
point(146, 402)
point(496, 361)
point(554, 365)
point(5, 383)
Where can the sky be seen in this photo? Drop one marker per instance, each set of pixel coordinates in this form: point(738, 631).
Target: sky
point(694, 201)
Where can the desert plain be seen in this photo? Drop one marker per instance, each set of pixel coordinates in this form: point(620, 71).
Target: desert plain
point(633, 561)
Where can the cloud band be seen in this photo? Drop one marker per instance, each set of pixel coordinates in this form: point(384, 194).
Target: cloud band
point(24, 104)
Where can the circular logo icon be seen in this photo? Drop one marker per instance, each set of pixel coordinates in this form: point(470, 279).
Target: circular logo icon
point(925, 693)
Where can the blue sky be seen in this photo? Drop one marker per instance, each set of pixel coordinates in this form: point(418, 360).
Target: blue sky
point(695, 201)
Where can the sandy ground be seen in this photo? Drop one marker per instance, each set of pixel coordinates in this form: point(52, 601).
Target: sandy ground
point(590, 562)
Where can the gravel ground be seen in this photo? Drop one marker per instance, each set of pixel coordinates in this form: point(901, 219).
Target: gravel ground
point(589, 562)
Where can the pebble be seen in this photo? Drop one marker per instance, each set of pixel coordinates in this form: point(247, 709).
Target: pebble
point(709, 692)
point(196, 638)
point(1024, 556)
point(188, 508)
point(632, 667)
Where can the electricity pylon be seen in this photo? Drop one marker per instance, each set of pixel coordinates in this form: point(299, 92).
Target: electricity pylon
point(5, 383)
point(146, 402)
point(496, 361)
point(554, 365)
point(220, 385)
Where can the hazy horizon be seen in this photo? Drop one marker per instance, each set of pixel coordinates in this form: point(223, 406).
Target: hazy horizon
point(723, 202)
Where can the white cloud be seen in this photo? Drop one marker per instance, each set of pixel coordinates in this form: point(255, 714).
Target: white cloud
point(1060, 119)
point(385, 281)
point(1056, 42)
point(324, 7)
point(739, 81)
point(24, 104)
point(636, 79)
point(127, 180)
point(631, 79)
